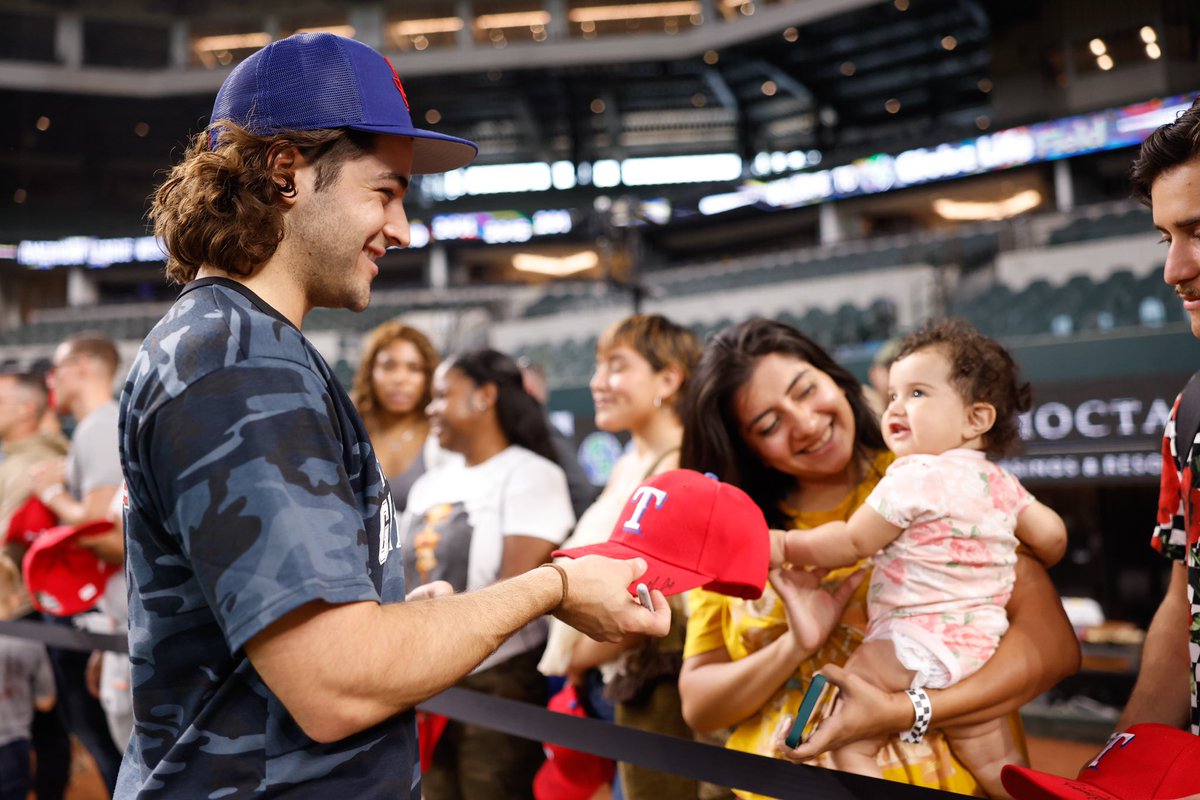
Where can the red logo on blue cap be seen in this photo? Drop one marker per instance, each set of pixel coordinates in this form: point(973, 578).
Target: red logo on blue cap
point(399, 85)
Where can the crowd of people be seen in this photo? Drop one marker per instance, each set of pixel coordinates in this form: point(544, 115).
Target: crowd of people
point(306, 564)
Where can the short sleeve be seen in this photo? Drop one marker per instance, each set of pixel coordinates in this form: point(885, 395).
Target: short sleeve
point(97, 453)
point(705, 625)
point(908, 492)
point(248, 473)
point(536, 502)
point(43, 676)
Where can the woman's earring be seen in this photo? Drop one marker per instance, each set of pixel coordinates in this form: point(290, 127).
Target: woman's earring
point(658, 402)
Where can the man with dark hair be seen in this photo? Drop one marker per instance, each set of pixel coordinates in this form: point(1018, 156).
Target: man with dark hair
point(1166, 177)
point(273, 651)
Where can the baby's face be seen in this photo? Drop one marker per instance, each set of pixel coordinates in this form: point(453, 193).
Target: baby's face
point(925, 413)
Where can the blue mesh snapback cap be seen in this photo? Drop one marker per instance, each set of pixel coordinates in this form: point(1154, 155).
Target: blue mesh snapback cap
point(314, 81)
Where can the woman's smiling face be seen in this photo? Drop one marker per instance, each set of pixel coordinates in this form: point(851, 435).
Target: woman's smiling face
point(795, 418)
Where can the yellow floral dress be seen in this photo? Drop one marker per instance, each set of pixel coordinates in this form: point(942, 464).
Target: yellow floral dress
point(744, 626)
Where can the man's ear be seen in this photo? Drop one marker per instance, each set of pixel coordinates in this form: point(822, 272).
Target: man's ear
point(980, 419)
point(284, 159)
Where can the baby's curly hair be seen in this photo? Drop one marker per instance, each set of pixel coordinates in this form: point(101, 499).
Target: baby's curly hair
point(983, 371)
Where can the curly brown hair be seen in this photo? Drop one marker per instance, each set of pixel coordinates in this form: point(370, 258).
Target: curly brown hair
point(1170, 145)
point(983, 371)
point(362, 390)
point(221, 208)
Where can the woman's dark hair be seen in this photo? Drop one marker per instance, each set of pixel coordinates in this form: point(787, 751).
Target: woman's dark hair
point(712, 441)
point(1167, 147)
point(981, 371)
point(521, 417)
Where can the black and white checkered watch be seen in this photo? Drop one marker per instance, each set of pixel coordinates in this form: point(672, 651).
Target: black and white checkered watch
point(923, 715)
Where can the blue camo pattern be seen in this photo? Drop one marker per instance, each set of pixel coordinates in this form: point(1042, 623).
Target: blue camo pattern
point(252, 490)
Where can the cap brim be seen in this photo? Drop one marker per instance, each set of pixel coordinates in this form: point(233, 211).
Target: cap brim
point(1024, 783)
point(668, 578)
point(432, 152)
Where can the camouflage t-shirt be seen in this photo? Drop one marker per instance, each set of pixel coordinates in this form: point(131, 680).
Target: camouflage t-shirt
point(252, 490)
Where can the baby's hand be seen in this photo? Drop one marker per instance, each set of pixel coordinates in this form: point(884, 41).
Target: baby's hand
point(778, 548)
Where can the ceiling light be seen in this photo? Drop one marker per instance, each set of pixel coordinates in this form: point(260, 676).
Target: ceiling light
point(968, 211)
point(415, 27)
point(769, 88)
point(232, 41)
point(892, 105)
point(983, 122)
point(985, 85)
point(699, 100)
point(19, 196)
point(597, 106)
point(43, 123)
point(514, 19)
point(686, 8)
point(949, 43)
point(901, 5)
point(711, 57)
point(1153, 50)
point(1104, 62)
point(791, 34)
point(556, 266)
point(847, 68)
point(1148, 34)
point(433, 116)
point(1098, 47)
point(141, 130)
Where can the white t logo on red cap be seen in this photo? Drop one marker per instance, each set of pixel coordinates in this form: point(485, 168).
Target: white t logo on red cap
point(1116, 739)
point(642, 498)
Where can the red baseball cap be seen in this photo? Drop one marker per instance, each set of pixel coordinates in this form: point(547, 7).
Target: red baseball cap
point(1146, 762)
point(693, 531)
point(62, 576)
point(570, 774)
point(28, 522)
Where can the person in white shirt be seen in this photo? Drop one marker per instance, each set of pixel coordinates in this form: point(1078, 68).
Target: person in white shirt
point(497, 514)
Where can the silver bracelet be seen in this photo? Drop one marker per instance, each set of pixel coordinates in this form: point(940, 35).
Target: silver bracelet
point(923, 710)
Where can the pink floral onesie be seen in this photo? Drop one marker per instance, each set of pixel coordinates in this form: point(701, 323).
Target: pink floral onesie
point(938, 591)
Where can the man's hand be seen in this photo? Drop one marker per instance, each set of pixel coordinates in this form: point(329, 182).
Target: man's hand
point(46, 474)
point(598, 602)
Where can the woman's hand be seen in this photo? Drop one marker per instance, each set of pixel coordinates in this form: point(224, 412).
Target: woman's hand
point(861, 711)
point(812, 612)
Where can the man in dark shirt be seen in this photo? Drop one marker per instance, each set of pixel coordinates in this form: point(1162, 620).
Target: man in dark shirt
point(272, 650)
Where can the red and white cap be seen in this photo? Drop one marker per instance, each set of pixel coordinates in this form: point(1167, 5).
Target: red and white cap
point(1146, 762)
point(692, 530)
point(64, 577)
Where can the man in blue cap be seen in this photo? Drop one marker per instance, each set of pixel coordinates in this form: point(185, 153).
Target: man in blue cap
point(272, 652)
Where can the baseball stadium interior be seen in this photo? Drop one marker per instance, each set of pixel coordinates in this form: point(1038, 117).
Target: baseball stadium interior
point(852, 167)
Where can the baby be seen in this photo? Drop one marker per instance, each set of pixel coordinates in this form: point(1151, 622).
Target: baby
point(942, 527)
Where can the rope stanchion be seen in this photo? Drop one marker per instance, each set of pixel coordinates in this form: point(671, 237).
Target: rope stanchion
point(64, 637)
point(772, 777)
